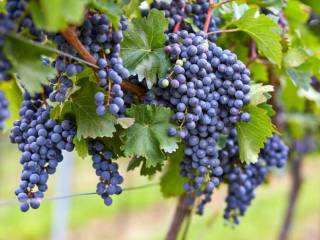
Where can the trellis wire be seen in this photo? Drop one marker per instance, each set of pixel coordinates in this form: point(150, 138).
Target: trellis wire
point(73, 195)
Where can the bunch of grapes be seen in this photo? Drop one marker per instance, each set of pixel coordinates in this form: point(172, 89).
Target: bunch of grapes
point(106, 170)
point(102, 40)
point(4, 111)
point(6, 25)
point(243, 180)
point(178, 11)
point(174, 11)
point(41, 141)
point(17, 11)
point(207, 88)
point(198, 12)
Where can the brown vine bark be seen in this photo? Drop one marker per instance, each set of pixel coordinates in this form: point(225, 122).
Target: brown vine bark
point(182, 211)
point(296, 177)
point(72, 38)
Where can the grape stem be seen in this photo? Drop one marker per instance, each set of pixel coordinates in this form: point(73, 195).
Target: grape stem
point(72, 38)
point(208, 17)
point(183, 210)
point(214, 5)
point(296, 176)
point(224, 31)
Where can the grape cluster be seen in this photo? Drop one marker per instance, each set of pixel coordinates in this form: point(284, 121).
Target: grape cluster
point(243, 180)
point(41, 141)
point(178, 11)
point(5, 25)
point(207, 88)
point(315, 83)
point(106, 170)
point(17, 11)
point(62, 82)
point(101, 39)
point(174, 11)
point(4, 111)
point(198, 12)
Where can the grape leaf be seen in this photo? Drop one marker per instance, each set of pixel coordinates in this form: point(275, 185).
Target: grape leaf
point(259, 93)
point(135, 162)
point(300, 78)
point(55, 15)
point(253, 134)
point(147, 137)
point(295, 57)
point(171, 182)
point(81, 147)
point(14, 96)
point(82, 107)
point(259, 72)
point(143, 47)
point(25, 57)
point(263, 30)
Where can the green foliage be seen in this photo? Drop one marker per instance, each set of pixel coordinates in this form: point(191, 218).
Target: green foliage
point(82, 107)
point(259, 72)
point(142, 48)
point(148, 137)
point(55, 15)
point(253, 134)
point(14, 96)
point(171, 181)
point(81, 147)
point(259, 93)
point(265, 32)
point(300, 78)
point(25, 57)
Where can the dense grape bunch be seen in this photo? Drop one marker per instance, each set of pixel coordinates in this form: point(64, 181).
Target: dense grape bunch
point(17, 11)
point(4, 112)
point(5, 25)
point(243, 180)
point(174, 11)
point(41, 141)
point(198, 12)
point(208, 87)
point(178, 11)
point(101, 39)
point(106, 170)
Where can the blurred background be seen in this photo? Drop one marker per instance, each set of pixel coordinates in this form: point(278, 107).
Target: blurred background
point(144, 213)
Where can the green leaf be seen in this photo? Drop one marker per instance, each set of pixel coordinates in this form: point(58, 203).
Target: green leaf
point(14, 95)
point(265, 32)
point(290, 92)
point(145, 170)
point(81, 147)
point(115, 143)
point(82, 107)
point(55, 15)
point(143, 47)
point(296, 14)
point(259, 72)
point(148, 137)
point(112, 10)
point(171, 182)
point(295, 57)
point(25, 57)
point(268, 108)
point(125, 122)
point(259, 93)
point(253, 134)
point(300, 78)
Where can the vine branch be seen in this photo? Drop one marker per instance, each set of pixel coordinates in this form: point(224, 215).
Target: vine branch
point(208, 17)
point(296, 177)
point(182, 211)
point(72, 38)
